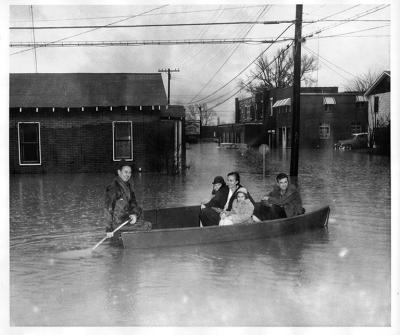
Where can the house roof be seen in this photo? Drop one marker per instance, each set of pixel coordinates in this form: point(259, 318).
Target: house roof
point(377, 82)
point(86, 89)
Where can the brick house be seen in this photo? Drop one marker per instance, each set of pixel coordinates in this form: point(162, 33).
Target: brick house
point(249, 126)
point(85, 122)
point(378, 95)
point(326, 116)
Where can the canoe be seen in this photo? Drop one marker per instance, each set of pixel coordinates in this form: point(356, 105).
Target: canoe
point(180, 227)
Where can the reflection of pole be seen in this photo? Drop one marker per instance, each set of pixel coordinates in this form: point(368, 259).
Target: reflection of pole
point(374, 131)
point(201, 119)
point(263, 162)
point(294, 154)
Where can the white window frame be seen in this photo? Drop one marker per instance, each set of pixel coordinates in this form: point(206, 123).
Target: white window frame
point(324, 125)
point(113, 140)
point(19, 145)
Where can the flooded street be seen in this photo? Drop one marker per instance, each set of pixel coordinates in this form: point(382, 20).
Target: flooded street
point(335, 277)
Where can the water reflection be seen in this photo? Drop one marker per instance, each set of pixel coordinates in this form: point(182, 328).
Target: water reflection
point(333, 277)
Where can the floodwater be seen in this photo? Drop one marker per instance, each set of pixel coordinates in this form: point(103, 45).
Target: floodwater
point(335, 277)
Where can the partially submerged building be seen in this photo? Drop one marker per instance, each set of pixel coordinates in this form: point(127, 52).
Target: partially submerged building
point(326, 117)
point(378, 95)
point(86, 122)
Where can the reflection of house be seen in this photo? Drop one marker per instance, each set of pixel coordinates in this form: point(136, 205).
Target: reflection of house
point(192, 131)
point(378, 95)
point(84, 122)
point(326, 116)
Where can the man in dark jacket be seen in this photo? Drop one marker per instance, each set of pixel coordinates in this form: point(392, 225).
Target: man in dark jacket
point(283, 201)
point(211, 216)
point(219, 194)
point(209, 213)
point(121, 204)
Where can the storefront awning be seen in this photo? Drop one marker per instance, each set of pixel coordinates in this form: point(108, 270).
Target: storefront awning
point(361, 98)
point(329, 101)
point(283, 102)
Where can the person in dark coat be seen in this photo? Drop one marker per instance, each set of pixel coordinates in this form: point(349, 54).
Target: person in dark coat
point(212, 218)
point(209, 213)
point(283, 201)
point(120, 203)
point(219, 194)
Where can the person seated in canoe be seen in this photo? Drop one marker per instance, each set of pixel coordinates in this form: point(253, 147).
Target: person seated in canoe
point(219, 195)
point(209, 211)
point(121, 204)
point(242, 210)
point(211, 216)
point(283, 201)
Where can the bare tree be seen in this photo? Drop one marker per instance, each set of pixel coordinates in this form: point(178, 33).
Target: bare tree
point(279, 73)
point(201, 112)
point(363, 81)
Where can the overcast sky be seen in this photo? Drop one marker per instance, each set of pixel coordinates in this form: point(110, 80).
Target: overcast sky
point(340, 59)
point(207, 73)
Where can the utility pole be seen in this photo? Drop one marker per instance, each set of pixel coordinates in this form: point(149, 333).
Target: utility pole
point(34, 39)
point(294, 154)
point(169, 78)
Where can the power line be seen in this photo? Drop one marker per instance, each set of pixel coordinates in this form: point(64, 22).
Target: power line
point(142, 42)
point(328, 61)
point(226, 60)
point(190, 24)
point(153, 25)
point(88, 31)
point(355, 36)
point(347, 20)
point(367, 12)
point(249, 82)
point(150, 14)
point(193, 52)
point(336, 13)
point(360, 15)
point(356, 31)
point(260, 55)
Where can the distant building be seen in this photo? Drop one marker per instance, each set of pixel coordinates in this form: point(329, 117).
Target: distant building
point(209, 133)
point(249, 127)
point(326, 116)
point(378, 95)
point(86, 122)
point(192, 131)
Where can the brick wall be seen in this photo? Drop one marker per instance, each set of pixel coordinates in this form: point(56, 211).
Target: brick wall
point(343, 114)
point(81, 141)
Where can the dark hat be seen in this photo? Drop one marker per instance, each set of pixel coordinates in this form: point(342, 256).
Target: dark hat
point(120, 164)
point(218, 179)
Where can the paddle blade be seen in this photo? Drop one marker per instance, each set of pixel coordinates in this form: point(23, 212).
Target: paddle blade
point(76, 254)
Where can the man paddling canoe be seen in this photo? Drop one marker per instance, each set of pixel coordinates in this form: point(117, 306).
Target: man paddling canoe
point(121, 204)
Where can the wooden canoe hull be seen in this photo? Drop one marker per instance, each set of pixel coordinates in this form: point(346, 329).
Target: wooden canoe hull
point(216, 234)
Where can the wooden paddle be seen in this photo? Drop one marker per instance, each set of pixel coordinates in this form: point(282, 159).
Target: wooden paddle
point(116, 229)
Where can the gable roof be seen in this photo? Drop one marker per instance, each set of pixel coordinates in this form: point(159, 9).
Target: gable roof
point(377, 82)
point(86, 89)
